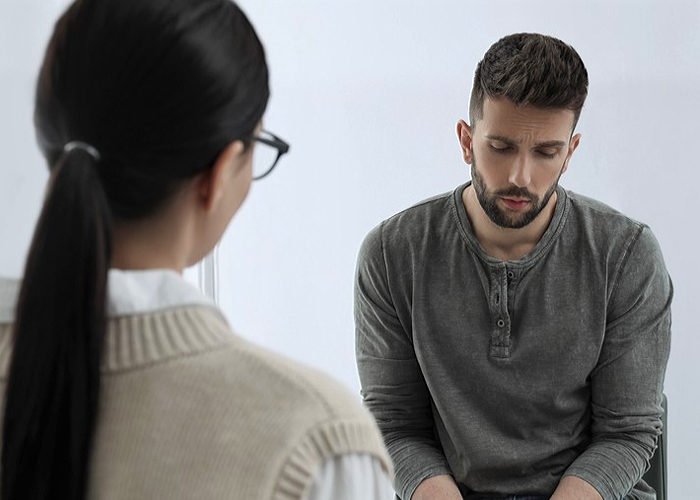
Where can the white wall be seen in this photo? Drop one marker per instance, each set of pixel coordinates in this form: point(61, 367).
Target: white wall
point(368, 92)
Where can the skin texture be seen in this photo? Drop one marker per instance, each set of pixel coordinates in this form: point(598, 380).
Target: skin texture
point(192, 222)
point(511, 144)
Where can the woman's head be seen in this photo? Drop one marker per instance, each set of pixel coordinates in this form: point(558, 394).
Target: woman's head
point(158, 87)
point(169, 93)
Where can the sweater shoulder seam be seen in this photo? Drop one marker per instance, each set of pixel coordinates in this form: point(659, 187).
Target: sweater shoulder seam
point(610, 212)
point(623, 260)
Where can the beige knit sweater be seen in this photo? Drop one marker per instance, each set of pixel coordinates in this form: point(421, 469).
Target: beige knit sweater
point(190, 411)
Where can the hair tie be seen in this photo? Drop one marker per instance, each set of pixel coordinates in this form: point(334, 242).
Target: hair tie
point(84, 146)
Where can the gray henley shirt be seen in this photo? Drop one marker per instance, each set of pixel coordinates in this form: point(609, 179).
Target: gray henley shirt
point(509, 375)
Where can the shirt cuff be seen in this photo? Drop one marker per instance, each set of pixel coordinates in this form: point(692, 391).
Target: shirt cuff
point(410, 483)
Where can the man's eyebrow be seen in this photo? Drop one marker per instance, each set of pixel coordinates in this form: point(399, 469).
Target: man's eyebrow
point(550, 144)
point(502, 139)
point(511, 142)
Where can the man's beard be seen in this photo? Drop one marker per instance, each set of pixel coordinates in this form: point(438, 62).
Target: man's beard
point(489, 201)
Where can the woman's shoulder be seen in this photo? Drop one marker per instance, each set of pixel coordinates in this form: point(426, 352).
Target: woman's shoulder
point(281, 378)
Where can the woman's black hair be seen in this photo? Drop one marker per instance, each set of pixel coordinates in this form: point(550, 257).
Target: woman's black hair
point(159, 88)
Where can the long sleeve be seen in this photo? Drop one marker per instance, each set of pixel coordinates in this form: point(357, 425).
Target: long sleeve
point(393, 387)
point(627, 382)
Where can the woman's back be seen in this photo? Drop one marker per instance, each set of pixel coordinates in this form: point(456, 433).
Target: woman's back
point(190, 410)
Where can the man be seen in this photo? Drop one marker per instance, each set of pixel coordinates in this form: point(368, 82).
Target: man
point(511, 336)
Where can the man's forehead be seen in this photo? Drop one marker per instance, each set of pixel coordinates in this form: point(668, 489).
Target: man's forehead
point(502, 117)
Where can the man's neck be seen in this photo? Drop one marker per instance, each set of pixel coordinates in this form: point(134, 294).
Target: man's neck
point(504, 243)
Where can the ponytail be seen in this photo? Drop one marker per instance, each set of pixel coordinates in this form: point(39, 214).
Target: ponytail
point(54, 377)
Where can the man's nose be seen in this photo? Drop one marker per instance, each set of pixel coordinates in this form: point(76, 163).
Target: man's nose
point(520, 172)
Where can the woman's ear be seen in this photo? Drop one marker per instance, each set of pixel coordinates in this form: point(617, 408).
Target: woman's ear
point(211, 184)
point(464, 135)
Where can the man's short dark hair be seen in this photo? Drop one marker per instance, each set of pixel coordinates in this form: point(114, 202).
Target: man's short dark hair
point(530, 69)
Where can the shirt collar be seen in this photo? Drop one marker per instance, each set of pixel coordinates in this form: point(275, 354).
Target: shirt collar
point(129, 292)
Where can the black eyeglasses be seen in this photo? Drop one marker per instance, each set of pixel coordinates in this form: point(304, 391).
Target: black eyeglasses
point(265, 159)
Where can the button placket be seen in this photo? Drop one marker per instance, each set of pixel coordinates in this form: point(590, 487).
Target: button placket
point(500, 335)
point(513, 276)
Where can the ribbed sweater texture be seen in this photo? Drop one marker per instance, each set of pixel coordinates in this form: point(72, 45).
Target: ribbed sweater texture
point(188, 410)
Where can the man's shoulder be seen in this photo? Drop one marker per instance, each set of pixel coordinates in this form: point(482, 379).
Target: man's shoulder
point(412, 224)
point(610, 234)
point(600, 217)
point(420, 212)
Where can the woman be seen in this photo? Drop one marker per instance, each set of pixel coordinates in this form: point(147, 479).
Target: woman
point(118, 379)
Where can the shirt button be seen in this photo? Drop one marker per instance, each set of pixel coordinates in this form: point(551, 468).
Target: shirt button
point(501, 323)
point(511, 275)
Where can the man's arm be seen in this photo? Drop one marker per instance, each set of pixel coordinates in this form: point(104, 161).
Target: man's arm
point(393, 387)
point(627, 382)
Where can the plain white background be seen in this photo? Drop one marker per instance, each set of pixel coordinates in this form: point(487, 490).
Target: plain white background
point(368, 93)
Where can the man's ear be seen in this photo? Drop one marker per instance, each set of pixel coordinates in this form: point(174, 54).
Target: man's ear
point(211, 184)
point(464, 135)
point(573, 144)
